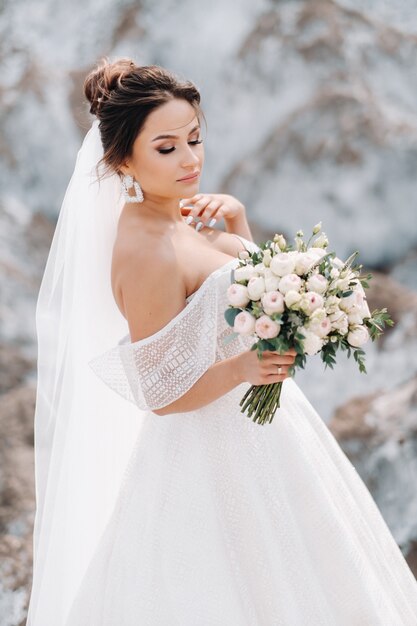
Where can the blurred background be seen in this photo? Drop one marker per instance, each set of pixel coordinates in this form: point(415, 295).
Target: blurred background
point(312, 116)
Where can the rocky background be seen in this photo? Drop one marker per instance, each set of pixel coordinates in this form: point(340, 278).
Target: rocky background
point(311, 110)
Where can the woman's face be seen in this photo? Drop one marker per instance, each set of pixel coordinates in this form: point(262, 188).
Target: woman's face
point(158, 163)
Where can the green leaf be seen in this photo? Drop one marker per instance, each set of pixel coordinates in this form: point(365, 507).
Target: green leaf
point(230, 315)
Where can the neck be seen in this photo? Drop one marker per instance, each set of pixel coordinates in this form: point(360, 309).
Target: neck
point(162, 209)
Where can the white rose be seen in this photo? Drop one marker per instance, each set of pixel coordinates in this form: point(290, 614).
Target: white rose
point(342, 283)
point(364, 308)
point(318, 314)
point(272, 302)
point(317, 250)
point(334, 273)
point(354, 318)
point(304, 261)
point(358, 335)
point(271, 280)
point(266, 328)
point(245, 273)
point(331, 304)
point(317, 283)
point(237, 295)
point(282, 264)
point(311, 343)
point(244, 323)
point(352, 303)
point(339, 322)
point(244, 254)
point(260, 268)
point(292, 299)
point(290, 282)
point(256, 287)
point(310, 301)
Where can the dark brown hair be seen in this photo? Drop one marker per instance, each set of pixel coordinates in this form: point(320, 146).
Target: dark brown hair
point(122, 95)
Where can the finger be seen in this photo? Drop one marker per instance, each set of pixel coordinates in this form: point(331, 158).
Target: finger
point(210, 211)
point(276, 356)
point(200, 204)
point(276, 378)
point(193, 199)
point(193, 216)
point(209, 216)
point(283, 360)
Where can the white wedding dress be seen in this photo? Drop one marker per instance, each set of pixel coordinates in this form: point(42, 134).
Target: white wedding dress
point(224, 522)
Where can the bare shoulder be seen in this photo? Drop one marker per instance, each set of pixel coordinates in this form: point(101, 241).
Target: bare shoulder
point(146, 278)
point(229, 243)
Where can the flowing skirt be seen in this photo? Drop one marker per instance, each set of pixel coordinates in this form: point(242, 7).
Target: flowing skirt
point(223, 522)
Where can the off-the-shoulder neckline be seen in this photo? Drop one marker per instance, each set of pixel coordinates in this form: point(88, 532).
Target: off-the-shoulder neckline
point(183, 311)
point(195, 295)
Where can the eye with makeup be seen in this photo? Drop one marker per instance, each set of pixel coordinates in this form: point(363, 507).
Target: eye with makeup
point(169, 150)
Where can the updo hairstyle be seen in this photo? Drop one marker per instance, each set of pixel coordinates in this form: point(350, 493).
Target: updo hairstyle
point(122, 95)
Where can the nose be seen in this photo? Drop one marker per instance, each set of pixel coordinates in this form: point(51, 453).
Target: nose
point(190, 158)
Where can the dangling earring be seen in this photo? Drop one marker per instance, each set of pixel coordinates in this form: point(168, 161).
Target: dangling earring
point(127, 183)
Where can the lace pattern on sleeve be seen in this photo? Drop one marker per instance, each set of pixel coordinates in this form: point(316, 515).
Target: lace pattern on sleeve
point(155, 371)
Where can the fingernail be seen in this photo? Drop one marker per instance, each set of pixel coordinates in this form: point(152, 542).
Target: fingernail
point(189, 219)
point(212, 222)
point(199, 226)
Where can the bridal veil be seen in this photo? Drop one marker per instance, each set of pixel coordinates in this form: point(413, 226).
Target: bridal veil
point(84, 432)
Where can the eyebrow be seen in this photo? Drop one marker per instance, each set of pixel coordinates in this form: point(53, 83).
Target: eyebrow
point(174, 136)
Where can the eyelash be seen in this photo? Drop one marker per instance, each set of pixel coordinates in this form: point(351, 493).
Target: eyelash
point(169, 150)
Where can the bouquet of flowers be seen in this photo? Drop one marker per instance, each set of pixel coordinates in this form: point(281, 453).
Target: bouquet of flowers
point(299, 296)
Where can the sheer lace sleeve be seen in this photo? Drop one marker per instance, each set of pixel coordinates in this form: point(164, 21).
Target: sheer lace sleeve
point(155, 371)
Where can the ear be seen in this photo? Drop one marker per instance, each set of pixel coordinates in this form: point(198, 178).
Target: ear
point(124, 168)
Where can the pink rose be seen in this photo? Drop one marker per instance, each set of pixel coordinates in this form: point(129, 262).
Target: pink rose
point(304, 261)
point(237, 295)
point(244, 323)
point(266, 328)
point(317, 283)
point(320, 327)
point(256, 287)
point(282, 264)
point(311, 301)
point(245, 272)
point(290, 282)
point(273, 302)
point(271, 281)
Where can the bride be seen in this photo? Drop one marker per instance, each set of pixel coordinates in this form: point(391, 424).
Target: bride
point(158, 501)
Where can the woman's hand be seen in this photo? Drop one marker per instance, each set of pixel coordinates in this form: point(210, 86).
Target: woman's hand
point(264, 371)
point(205, 209)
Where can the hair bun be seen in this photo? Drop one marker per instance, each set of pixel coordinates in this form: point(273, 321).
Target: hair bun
point(103, 79)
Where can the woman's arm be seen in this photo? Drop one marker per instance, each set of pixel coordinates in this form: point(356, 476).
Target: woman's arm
point(239, 225)
point(219, 379)
point(224, 375)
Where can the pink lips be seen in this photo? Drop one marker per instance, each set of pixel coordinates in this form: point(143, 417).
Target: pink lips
point(190, 177)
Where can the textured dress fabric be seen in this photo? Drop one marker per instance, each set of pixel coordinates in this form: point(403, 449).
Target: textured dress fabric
point(224, 522)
